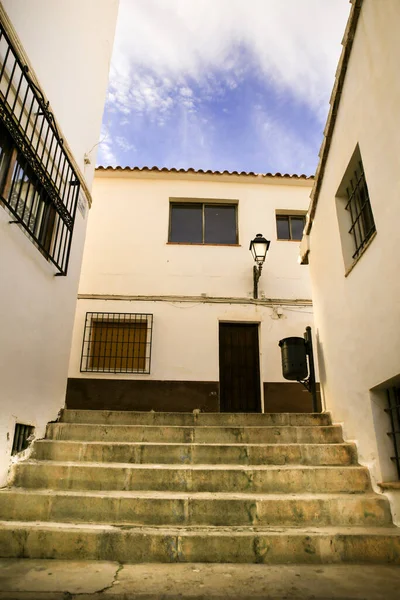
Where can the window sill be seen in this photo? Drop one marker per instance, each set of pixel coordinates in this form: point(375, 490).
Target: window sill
point(199, 244)
point(367, 245)
point(390, 485)
point(282, 240)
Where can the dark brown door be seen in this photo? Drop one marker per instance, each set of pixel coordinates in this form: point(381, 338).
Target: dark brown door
point(239, 368)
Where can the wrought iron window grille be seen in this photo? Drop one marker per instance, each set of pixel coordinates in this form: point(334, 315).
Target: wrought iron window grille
point(21, 437)
point(117, 343)
point(34, 141)
point(359, 207)
point(393, 410)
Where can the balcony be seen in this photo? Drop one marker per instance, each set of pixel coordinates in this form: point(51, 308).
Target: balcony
point(39, 186)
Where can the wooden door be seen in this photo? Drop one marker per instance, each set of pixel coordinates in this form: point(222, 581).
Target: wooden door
point(239, 368)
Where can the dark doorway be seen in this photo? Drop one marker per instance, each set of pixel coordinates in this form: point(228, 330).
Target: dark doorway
point(239, 368)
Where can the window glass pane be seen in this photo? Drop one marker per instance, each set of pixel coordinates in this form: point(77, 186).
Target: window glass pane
point(186, 223)
point(297, 225)
point(220, 224)
point(282, 228)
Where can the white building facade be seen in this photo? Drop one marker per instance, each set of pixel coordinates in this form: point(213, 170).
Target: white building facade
point(166, 318)
point(352, 242)
point(54, 63)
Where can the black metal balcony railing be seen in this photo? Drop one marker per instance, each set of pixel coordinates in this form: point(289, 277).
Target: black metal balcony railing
point(37, 147)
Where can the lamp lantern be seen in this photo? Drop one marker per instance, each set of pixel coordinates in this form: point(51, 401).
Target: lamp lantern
point(258, 248)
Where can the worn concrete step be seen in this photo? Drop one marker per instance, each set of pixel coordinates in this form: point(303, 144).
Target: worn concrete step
point(230, 435)
point(241, 454)
point(199, 478)
point(169, 545)
point(114, 417)
point(216, 509)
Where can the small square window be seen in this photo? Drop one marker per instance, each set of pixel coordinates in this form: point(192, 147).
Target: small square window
point(290, 227)
point(201, 223)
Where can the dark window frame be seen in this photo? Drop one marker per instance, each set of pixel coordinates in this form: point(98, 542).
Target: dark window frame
point(359, 209)
point(204, 205)
point(288, 218)
point(39, 222)
point(117, 354)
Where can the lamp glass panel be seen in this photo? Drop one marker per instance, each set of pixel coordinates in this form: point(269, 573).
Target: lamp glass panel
point(260, 250)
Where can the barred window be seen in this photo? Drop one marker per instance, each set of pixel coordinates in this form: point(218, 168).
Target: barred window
point(359, 208)
point(117, 342)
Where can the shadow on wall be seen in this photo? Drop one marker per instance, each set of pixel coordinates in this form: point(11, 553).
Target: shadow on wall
point(321, 369)
point(383, 428)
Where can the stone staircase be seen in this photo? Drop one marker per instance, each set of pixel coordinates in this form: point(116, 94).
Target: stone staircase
point(179, 487)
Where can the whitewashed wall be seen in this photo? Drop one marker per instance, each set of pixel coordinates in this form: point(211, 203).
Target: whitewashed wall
point(69, 46)
point(357, 317)
point(127, 254)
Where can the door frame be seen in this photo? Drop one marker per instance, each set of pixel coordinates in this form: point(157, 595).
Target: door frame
point(261, 366)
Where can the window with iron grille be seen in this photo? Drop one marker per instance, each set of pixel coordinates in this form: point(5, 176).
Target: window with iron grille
point(203, 223)
point(359, 207)
point(21, 439)
point(393, 410)
point(290, 227)
point(354, 213)
point(117, 342)
point(39, 186)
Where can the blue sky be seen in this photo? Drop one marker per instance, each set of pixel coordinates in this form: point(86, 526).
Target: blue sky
point(221, 84)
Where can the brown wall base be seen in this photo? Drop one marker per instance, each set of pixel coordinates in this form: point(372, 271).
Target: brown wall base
point(131, 394)
point(174, 396)
point(288, 397)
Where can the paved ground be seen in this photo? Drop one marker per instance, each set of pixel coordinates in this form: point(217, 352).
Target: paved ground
point(26, 579)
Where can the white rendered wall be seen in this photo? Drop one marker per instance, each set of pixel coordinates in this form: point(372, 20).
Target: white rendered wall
point(69, 44)
point(357, 317)
point(126, 249)
point(185, 337)
point(37, 308)
point(127, 254)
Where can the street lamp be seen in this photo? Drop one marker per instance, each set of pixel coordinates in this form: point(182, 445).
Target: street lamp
point(259, 248)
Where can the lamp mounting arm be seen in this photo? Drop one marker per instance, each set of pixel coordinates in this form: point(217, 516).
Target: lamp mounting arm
point(256, 276)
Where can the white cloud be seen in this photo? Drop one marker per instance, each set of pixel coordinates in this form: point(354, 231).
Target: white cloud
point(294, 43)
point(106, 154)
point(283, 149)
point(124, 144)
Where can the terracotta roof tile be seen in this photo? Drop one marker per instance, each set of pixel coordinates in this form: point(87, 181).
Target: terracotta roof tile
point(202, 172)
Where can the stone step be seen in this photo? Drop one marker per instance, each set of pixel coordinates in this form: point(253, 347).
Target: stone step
point(175, 434)
point(217, 509)
point(107, 417)
point(249, 454)
point(169, 545)
point(199, 478)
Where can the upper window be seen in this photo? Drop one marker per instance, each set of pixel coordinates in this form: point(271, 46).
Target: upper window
point(39, 186)
point(354, 212)
point(201, 223)
point(290, 227)
point(24, 196)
